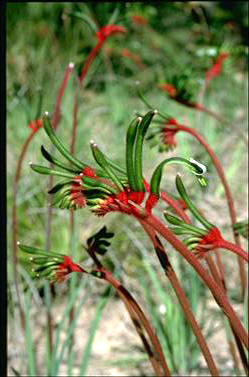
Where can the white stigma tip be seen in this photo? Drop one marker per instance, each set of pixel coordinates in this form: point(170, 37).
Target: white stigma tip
point(139, 119)
point(71, 65)
point(30, 162)
point(81, 174)
point(137, 82)
point(155, 112)
point(91, 141)
point(203, 167)
point(46, 113)
point(179, 175)
point(18, 243)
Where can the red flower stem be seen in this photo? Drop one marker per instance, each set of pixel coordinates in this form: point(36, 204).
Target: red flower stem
point(217, 292)
point(136, 315)
point(62, 88)
point(231, 209)
point(89, 59)
point(132, 306)
point(219, 280)
point(234, 248)
point(169, 272)
point(15, 226)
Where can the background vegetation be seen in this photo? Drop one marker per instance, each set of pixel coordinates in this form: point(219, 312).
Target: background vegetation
point(179, 37)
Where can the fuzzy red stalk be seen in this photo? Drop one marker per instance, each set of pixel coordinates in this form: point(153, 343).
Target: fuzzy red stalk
point(216, 290)
point(170, 273)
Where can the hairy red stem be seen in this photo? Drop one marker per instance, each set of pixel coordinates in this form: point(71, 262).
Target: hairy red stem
point(169, 271)
point(61, 90)
point(131, 303)
point(214, 288)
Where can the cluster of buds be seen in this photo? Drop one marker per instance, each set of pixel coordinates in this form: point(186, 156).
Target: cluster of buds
point(57, 267)
point(109, 187)
point(53, 266)
point(198, 240)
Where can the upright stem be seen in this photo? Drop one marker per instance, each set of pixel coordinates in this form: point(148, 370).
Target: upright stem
point(214, 288)
point(165, 263)
point(231, 209)
point(15, 226)
point(132, 306)
point(220, 280)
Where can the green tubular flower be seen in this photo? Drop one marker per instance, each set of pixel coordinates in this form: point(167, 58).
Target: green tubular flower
point(141, 132)
point(181, 189)
point(52, 136)
point(130, 144)
point(101, 160)
point(194, 166)
point(182, 225)
point(56, 162)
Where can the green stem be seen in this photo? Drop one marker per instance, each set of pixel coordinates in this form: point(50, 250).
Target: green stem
point(195, 167)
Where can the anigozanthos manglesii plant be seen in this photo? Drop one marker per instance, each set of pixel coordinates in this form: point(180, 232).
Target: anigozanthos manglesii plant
point(199, 240)
point(109, 187)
